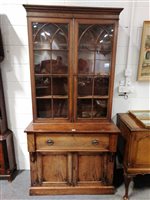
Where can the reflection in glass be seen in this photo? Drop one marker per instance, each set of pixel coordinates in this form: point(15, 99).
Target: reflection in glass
point(45, 65)
point(50, 36)
point(60, 85)
point(44, 108)
point(42, 62)
point(59, 62)
point(60, 108)
point(85, 86)
point(43, 86)
point(96, 37)
point(99, 108)
point(102, 67)
point(102, 64)
point(86, 62)
point(95, 46)
point(59, 41)
point(101, 85)
point(84, 108)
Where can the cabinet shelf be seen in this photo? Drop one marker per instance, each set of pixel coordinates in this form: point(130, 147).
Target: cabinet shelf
point(93, 97)
point(52, 97)
point(46, 49)
point(42, 87)
point(95, 50)
point(48, 75)
point(93, 75)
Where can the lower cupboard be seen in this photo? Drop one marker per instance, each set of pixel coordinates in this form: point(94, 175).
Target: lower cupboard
point(66, 162)
point(77, 171)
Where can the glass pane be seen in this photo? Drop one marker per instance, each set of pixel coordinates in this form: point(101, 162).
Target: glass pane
point(104, 45)
point(60, 108)
point(85, 62)
point(42, 62)
point(59, 62)
point(50, 36)
point(87, 36)
point(60, 40)
point(95, 47)
point(85, 86)
point(43, 86)
point(101, 85)
point(102, 64)
point(60, 85)
point(43, 35)
point(95, 37)
point(84, 108)
point(99, 108)
point(44, 108)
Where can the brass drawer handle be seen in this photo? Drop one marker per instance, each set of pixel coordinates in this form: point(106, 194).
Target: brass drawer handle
point(50, 142)
point(95, 142)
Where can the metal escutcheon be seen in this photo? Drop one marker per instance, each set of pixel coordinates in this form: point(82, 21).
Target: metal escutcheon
point(50, 142)
point(95, 142)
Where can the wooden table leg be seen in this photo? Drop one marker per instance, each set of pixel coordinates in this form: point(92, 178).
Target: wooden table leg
point(127, 180)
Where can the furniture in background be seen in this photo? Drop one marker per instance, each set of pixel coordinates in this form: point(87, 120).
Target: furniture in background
point(72, 140)
point(7, 155)
point(136, 153)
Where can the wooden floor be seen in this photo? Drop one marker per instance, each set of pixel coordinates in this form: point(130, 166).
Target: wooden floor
point(18, 190)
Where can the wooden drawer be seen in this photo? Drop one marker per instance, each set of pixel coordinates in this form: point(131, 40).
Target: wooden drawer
point(72, 142)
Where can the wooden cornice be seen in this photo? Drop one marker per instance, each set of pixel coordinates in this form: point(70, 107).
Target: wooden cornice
point(71, 10)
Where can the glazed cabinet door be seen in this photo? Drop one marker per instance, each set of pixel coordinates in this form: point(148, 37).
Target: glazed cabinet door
point(50, 51)
point(94, 68)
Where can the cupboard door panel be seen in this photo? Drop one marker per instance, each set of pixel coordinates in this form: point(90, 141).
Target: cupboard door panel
point(90, 168)
point(54, 168)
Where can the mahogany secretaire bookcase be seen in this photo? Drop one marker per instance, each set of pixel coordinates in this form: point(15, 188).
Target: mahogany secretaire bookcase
point(72, 140)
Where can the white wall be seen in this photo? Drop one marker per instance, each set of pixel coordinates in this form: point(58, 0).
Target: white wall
point(15, 67)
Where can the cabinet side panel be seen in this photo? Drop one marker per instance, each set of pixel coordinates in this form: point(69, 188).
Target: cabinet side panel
point(31, 142)
point(140, 153)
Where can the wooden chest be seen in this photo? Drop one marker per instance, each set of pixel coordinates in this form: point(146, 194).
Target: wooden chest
point(137, 148)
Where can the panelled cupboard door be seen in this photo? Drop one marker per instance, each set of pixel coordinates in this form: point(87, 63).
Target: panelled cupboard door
point(53, 169)
point(94, 68)
point(50, 42)
point(73, 169)
point(92, 169)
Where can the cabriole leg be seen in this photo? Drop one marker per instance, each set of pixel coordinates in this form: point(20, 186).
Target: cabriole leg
point(127, 180)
